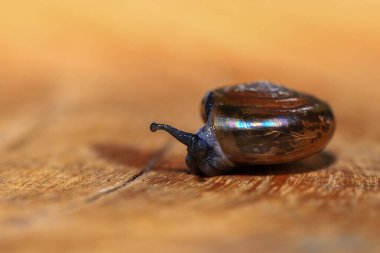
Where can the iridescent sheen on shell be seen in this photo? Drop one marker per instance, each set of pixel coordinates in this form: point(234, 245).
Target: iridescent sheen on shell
point(263, 123)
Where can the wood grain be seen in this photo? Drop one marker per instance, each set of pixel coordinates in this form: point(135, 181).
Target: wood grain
point(81, 81)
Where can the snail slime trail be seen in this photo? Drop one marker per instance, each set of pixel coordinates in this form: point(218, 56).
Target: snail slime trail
point(254, 124)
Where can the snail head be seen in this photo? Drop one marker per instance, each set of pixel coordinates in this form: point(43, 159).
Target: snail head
point(197, 148)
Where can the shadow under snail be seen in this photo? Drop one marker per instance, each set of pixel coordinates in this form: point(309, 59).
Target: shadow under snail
point(254, 124)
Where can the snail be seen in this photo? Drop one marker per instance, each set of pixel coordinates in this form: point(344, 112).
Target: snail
point(254, 123)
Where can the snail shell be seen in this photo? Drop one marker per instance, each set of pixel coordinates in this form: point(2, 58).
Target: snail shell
point(257, 123)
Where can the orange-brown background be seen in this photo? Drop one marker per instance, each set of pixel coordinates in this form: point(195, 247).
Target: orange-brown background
point(81, 81)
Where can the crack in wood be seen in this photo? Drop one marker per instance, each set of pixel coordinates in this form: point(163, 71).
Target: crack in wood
point(101, 193)
point(149, 166)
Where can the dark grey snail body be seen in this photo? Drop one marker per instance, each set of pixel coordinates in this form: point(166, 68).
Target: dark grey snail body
point(253, 124)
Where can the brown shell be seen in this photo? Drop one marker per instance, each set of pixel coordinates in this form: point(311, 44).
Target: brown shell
point(263, 123)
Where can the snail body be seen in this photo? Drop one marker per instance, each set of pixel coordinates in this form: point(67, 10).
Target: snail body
point(254, 124)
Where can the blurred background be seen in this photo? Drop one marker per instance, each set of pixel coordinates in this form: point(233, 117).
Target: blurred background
point(146, 51)
point(80, 82)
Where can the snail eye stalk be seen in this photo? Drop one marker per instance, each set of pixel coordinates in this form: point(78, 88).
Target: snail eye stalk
point(186, 138)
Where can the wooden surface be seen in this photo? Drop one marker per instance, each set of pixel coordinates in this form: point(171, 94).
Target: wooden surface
point(81, 81)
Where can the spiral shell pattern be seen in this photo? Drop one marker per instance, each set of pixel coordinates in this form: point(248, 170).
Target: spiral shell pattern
point(264, 123)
